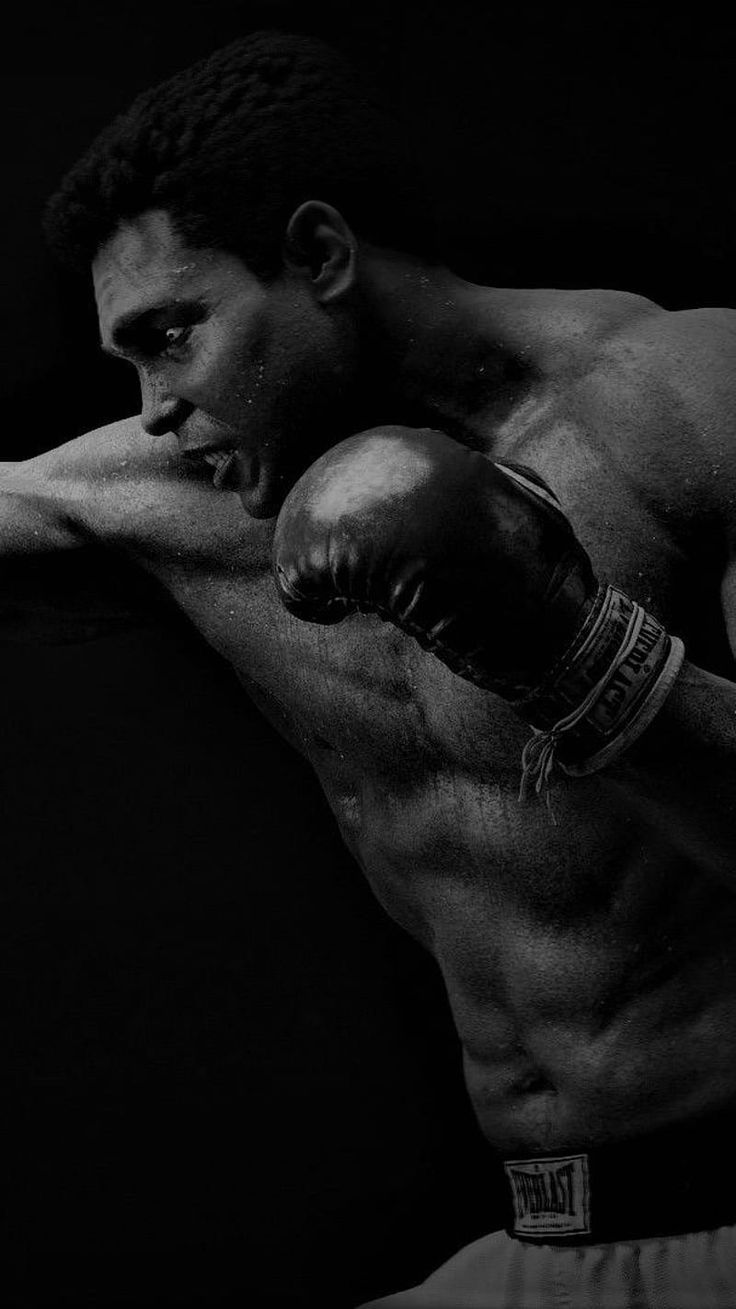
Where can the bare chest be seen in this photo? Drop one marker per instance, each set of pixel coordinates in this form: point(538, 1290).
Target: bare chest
point(420, 768)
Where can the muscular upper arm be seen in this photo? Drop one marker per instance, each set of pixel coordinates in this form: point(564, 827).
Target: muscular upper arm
point(33, 516)
point(51, 590)
point(46, 503)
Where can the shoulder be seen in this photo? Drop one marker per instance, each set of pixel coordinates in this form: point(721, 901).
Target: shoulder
point(653, 394)
point(636, 384)
point(620, 353)
point(638, 422)
point(692, 347)
point(694, 350)
point(670, 377)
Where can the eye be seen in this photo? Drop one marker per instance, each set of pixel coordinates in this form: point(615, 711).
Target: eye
point(163, 334)
point(163, 342)
point(173, 338)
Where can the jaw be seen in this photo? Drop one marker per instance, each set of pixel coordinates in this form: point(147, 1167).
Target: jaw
point(300, 431)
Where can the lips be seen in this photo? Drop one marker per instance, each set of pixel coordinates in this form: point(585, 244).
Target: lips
point(235, 471)
point(224, 461)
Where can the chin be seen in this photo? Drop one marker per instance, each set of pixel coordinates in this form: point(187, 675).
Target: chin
point(257, 508)
point(263, 488)
point(261, 502)
point(263, 496)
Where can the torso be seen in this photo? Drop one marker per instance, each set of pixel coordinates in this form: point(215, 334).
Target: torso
point(589, 966)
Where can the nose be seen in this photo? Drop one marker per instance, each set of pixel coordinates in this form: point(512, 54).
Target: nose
point(161, 411)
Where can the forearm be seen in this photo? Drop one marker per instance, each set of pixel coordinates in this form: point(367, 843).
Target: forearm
point(680, 774)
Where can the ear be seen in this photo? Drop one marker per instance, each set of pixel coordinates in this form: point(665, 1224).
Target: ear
point(320, 245)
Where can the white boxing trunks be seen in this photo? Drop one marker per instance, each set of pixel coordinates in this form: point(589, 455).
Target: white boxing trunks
point(691, 1271)
point(644, 1223)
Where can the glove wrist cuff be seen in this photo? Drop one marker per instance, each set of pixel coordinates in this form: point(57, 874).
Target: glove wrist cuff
point(603, 691)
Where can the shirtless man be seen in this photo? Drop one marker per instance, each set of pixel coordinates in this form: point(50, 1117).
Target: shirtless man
point(486, 545)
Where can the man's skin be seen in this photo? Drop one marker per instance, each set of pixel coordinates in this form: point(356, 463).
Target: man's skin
point(586, 946)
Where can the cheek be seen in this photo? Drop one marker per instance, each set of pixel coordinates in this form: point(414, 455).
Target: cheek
point(229, 373)
point(278, 369)
point(269, 369)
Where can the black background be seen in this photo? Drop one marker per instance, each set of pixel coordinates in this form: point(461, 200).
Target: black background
point(228, 1077)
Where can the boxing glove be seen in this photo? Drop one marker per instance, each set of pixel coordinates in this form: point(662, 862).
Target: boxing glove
point(476, 561)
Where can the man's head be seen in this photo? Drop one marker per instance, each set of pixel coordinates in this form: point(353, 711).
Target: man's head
point(231, 146)
point(235, 195)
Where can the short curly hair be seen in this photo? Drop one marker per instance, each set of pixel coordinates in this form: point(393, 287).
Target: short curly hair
point(230, 147)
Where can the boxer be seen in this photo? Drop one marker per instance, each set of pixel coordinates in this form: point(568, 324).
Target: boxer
point(471, 551)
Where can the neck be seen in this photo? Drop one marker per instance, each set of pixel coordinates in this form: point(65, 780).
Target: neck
point(441, 351)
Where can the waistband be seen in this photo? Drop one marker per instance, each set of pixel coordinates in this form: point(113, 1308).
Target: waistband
point(678, 1179)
